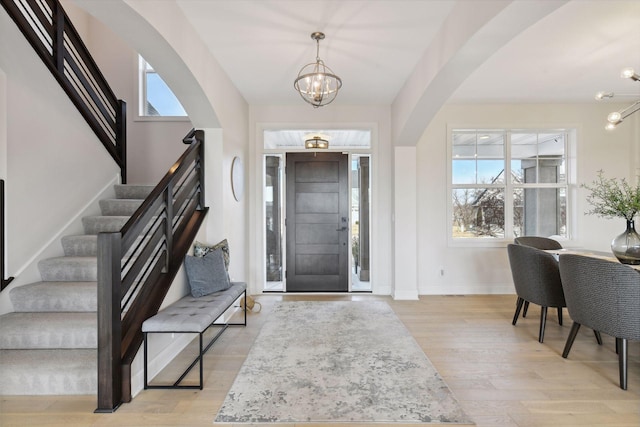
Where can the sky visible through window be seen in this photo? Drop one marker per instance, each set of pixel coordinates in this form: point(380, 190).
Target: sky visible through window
point(160, 96)
point(464, 171)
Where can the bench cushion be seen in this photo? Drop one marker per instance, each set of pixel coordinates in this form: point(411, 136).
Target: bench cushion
point(190, 314)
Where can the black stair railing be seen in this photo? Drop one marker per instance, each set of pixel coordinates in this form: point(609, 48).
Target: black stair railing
point(137, 265)
point(47, 27)
point(4, 282)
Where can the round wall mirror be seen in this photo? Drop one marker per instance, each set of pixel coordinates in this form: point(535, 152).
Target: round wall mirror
point(237, 178)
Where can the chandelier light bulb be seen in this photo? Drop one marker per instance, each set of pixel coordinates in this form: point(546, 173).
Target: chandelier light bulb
point(601, 95)
point(629, 73)
point(614, 117)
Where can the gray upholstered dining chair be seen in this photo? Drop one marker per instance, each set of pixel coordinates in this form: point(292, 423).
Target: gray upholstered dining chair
point(537, 279)
point(538, 242)
point(605, 296)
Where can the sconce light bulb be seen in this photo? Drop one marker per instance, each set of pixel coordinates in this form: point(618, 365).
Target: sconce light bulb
point(610, 126)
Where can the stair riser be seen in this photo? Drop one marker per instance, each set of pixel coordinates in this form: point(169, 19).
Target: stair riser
point(48, 331)
point(49, 372)
point(83, 245)
point(55, 297)
point(133, 191)
point(68, 269)
point(98, 224)
point(67, 339)
point(119, 207)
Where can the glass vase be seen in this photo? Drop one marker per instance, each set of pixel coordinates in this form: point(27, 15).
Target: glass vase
point(626, 247)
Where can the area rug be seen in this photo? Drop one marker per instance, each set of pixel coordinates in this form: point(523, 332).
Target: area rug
point(338, 362)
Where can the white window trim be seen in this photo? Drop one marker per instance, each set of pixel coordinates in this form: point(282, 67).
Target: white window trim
point(570, 158)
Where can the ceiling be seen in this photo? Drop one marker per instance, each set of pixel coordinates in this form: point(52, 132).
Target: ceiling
point(375, 45)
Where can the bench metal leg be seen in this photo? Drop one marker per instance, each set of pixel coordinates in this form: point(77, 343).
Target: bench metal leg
point(145, 361)
point(198, 359)
point(244, 323)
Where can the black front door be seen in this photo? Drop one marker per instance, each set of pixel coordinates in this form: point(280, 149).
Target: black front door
point(317, 222)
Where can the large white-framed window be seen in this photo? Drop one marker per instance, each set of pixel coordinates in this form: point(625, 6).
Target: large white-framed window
point(156, 101)
point(505, 183)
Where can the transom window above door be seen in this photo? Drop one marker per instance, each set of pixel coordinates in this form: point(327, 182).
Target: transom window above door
point(338, 139)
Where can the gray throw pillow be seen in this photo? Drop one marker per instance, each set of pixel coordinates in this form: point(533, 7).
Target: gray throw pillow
point(206, 274)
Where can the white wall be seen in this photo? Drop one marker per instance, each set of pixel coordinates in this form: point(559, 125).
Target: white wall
point(3, 125)
point(48, 178)
point(3, 142)
point(479, 270)
point(153, 146)
point(304, 116)
point(404, 218)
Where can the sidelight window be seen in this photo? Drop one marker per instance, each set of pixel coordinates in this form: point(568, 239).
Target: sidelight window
point(273, 221)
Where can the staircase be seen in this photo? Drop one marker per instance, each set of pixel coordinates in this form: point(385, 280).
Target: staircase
point(48, 345)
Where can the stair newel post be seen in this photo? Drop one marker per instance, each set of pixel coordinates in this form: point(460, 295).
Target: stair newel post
point(109, 322)
point(168, 200)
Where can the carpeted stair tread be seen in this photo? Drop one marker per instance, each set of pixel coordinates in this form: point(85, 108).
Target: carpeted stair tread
point(80, 245)
point(48, 330)
point(48, 372)
point(69, 269)
point(133, 191)
point(100, 223)
point(115, 207)
point(55, 296)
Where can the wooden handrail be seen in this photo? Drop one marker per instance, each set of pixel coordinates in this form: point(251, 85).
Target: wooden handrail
point(46, 26)
point(137, 265)
point(3, 226)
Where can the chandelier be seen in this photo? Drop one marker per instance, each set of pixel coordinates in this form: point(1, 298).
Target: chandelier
point(316, 83)
point(616, 117)
point(316, 141)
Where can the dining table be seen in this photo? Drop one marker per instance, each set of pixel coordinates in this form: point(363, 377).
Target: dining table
point(588, 252)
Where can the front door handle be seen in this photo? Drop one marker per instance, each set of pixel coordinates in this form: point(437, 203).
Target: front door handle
point(341, 229)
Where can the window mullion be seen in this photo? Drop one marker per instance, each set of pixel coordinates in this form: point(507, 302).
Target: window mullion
point(508, 190)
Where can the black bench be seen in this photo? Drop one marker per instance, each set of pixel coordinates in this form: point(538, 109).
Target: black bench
point(194, 315)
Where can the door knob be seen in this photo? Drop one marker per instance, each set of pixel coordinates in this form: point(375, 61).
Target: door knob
point(341, 229)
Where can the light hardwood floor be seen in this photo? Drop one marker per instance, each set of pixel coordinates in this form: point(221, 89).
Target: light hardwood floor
point(500, 373)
